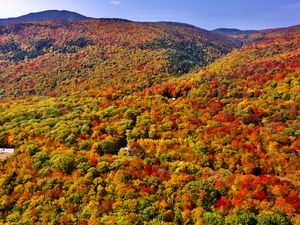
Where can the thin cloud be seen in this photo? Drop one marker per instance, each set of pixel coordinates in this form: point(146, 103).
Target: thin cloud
point(115, 2)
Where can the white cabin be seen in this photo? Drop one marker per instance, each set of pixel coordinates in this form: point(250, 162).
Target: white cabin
point(7, 150)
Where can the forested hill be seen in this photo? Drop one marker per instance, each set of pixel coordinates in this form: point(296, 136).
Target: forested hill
point(217, 146)
point(45, 15)
point(231, 31)
point(63, 57)
point(252, 36)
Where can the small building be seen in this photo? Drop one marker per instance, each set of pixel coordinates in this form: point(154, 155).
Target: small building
point(7, 150)
point(127, 150)
point(5, 153)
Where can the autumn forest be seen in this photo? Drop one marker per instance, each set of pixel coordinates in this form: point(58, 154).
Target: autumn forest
point(120, 122)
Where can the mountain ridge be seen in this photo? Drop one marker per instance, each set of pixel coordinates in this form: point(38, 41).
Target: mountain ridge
point(45, 15)
point(232, 31)
point(103, 44)
point(54, 14)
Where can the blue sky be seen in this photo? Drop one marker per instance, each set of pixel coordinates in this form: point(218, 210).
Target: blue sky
point(211, 14)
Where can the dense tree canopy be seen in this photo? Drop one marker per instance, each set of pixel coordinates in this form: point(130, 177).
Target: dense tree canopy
point(55, 58)
point(217, 146)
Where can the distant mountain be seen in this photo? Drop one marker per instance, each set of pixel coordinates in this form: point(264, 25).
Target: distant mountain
point(45, 15)
point(231, 31)
point(252, 36)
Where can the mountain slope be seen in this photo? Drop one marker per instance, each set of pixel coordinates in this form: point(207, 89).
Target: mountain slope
point(219, 146)
point(249, 36)
point(45, 15)
point(231, 31)
point(56, 57)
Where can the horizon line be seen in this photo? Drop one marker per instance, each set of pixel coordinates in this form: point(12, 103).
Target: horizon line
point(138, 21)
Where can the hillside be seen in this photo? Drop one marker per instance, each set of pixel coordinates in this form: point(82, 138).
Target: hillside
point(217, 146)
point(249, 36)
point(63, 57)
point(45, 15)
point(231, 31)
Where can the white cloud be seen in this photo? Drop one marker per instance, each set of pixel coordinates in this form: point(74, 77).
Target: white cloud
point(115, 2)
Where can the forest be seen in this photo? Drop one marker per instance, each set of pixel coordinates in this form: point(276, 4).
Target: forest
point(148, 123)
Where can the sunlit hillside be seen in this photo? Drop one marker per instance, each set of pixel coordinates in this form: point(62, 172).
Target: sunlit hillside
point(63, 57)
